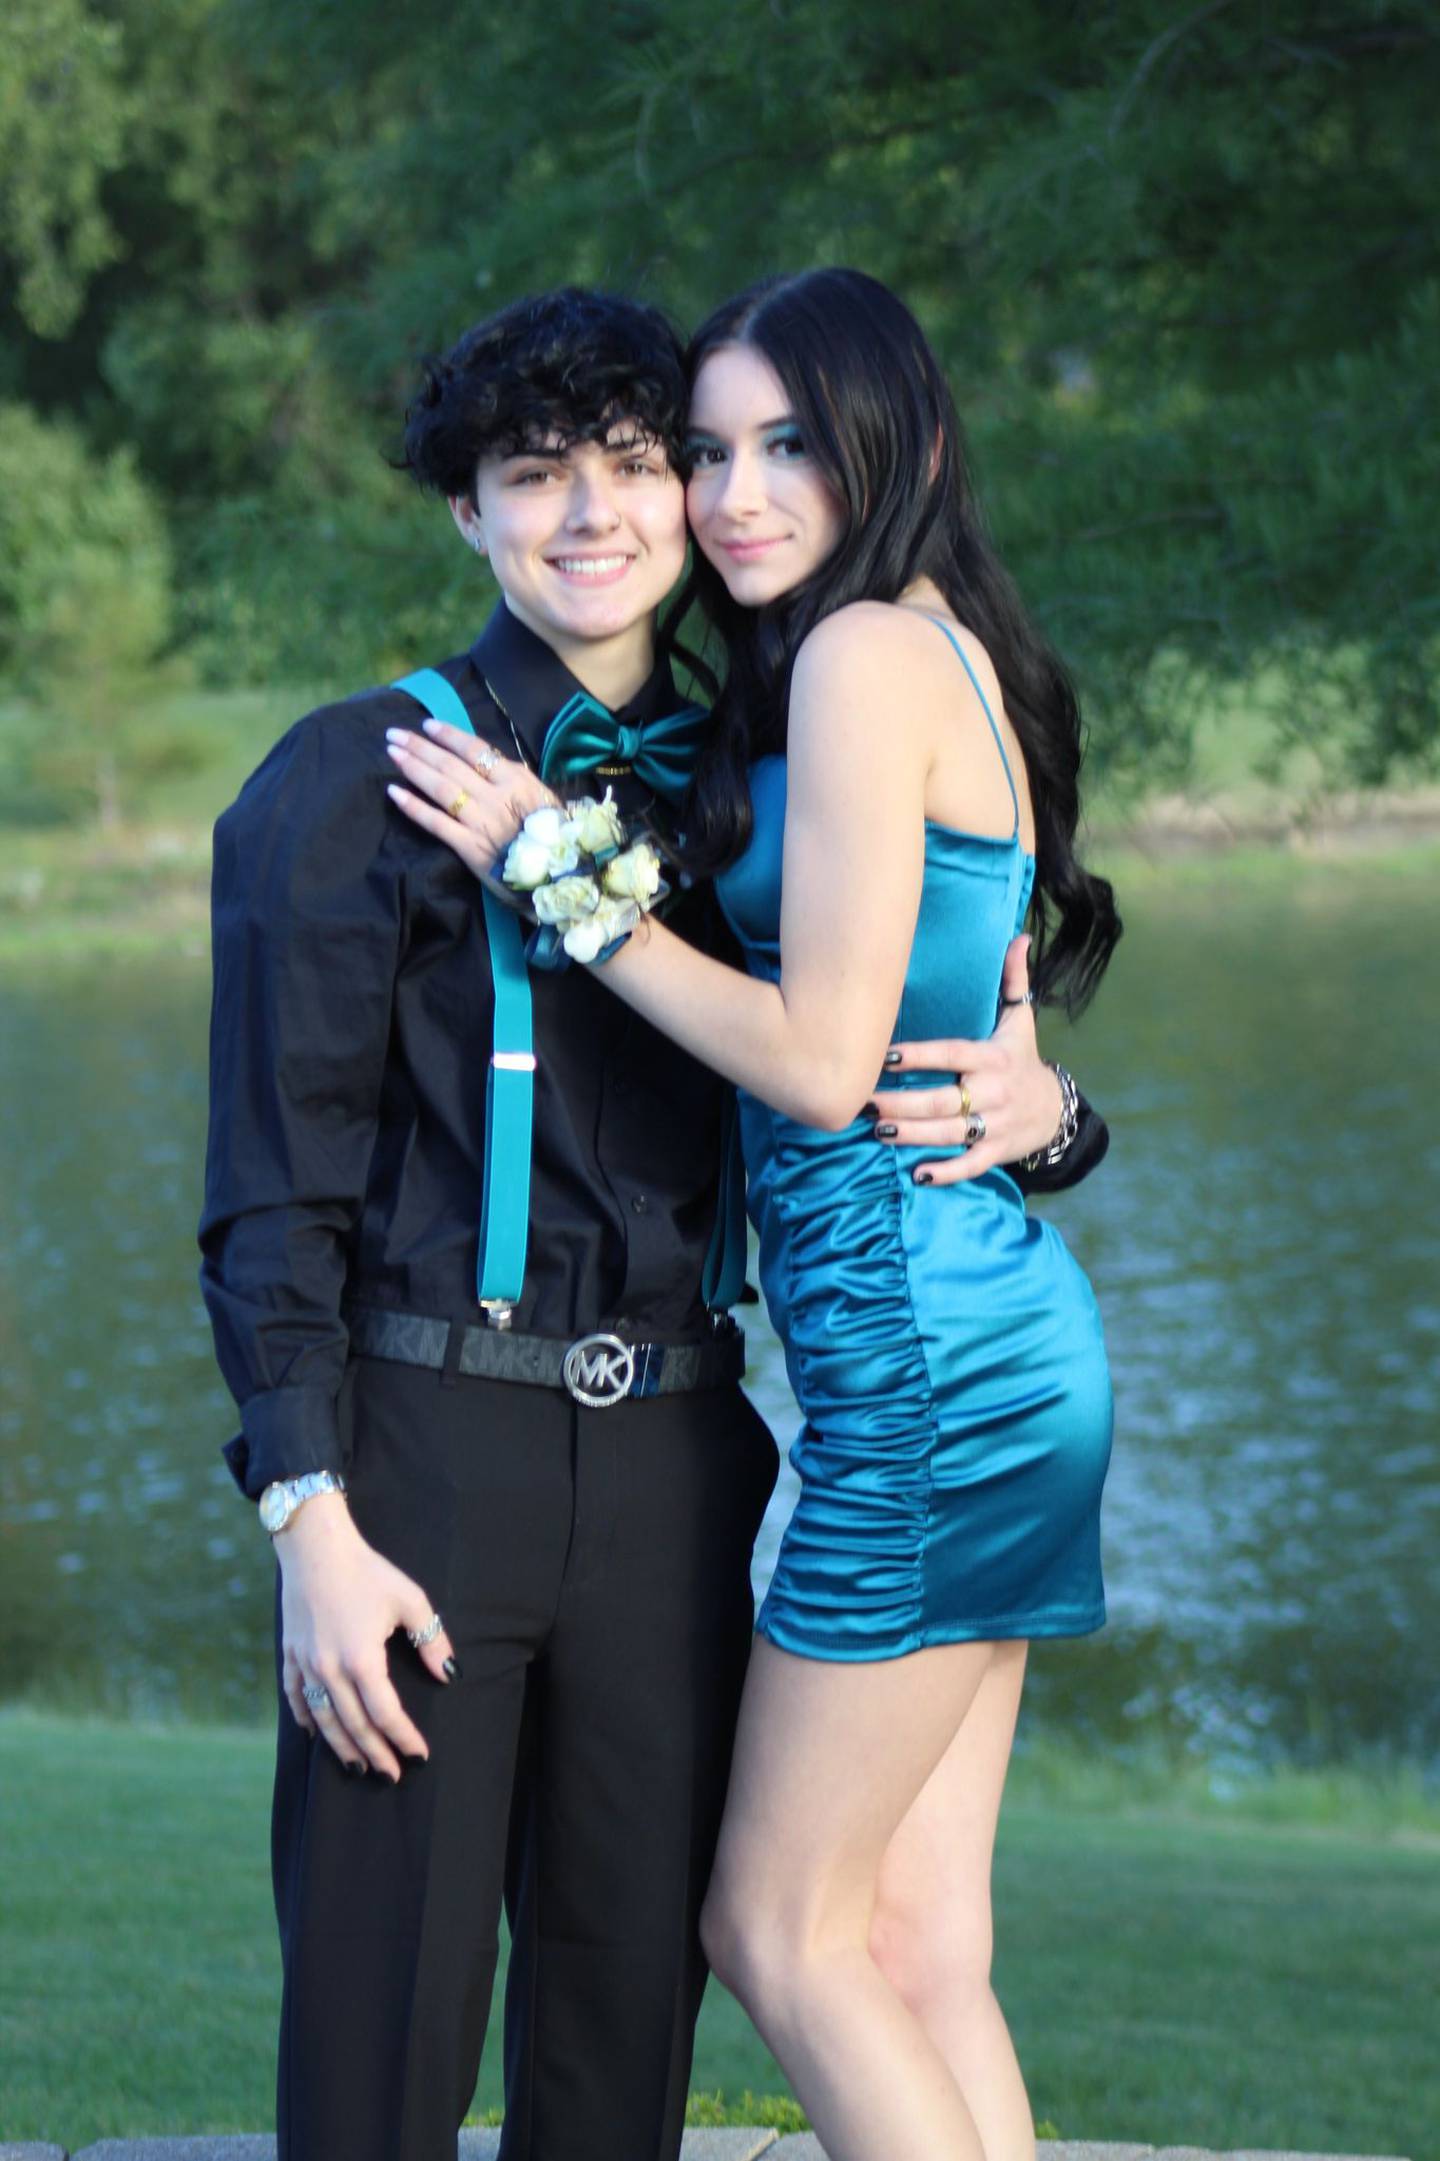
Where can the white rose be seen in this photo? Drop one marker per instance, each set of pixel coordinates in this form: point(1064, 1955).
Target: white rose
point(527, 863)
point(586, 941)
point(563, 857)
point(545, 825)
point(635, 875)
point(583, 940)
point(572, 813)
point(593, 826)
point(567, 900)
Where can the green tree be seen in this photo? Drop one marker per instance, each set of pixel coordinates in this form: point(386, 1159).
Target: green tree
point(84, 597)
point(1180, 260)
point(63, 120)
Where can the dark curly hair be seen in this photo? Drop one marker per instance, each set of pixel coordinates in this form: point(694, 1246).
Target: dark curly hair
point(566, 364)
point(879, 421)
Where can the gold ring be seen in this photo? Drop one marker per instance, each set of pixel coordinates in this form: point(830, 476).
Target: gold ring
point(964, 1098)
point(459, 804)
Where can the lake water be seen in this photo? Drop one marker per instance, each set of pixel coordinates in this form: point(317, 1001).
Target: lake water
point(1263, 1240)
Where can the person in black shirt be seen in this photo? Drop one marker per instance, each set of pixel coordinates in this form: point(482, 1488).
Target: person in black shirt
point(561, 1738)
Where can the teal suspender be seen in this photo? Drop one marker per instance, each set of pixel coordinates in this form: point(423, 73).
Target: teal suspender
point(510, 1099)
point(510, 1084)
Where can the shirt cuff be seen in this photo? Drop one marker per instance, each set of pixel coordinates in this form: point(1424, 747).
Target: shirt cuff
point(285, 1432)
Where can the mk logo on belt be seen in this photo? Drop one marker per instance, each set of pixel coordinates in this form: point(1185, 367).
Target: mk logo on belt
point(599, 1371)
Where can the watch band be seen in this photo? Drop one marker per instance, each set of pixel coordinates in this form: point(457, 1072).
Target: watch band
point(281, 1500)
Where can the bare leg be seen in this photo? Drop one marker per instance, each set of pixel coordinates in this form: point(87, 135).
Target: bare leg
point(830, 1759)
point(931, 1934)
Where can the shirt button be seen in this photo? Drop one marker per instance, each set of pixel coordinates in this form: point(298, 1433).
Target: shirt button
point(641, 1204)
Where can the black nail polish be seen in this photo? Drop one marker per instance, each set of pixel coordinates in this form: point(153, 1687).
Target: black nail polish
point(869, 1110)
point(892, 1057)
point(452, 1670)
point(886, 1131)
point(355, 1770)
point(924, 1178)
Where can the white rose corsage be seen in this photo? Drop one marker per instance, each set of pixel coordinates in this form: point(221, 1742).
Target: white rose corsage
point(584, 882)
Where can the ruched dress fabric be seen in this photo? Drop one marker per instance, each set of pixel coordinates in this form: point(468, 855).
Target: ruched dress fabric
point(943, 1345)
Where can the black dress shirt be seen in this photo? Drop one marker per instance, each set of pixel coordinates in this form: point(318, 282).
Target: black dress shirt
point(351, 1031)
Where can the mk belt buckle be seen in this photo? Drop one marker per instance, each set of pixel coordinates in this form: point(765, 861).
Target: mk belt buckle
point(599, 1371)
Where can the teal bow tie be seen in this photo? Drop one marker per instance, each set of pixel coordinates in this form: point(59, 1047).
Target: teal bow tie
point(661, 752)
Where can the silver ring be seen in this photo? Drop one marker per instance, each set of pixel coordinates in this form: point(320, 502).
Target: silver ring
point(318, 1698)
point(975, 1128)
point(421, 1636)
point(1028, 999)
point(487, 761)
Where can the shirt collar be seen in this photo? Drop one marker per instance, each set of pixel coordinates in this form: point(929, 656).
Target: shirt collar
point(531, 681)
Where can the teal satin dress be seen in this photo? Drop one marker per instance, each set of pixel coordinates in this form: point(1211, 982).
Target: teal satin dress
point(943, 1345)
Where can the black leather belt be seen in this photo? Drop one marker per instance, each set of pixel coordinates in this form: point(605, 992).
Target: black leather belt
point(598, 1370)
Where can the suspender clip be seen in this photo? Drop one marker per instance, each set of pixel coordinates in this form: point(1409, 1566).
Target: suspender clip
point(499, 1312)
point(513, 1061)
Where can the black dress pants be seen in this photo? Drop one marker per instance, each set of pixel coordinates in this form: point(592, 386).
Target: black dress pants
point(592, 1568)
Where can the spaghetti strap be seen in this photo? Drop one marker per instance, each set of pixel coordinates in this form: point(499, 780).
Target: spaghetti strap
point(941, 624)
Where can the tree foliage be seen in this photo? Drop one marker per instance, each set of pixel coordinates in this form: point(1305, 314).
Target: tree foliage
point(63, 119)
point(1182, 263)
point(84, 562)
point(84, 597)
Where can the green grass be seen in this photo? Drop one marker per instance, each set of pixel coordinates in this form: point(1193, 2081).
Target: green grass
point(1184, 1959)
point(69, 887)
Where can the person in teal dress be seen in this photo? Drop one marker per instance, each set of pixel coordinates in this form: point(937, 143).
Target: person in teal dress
point(889, 795)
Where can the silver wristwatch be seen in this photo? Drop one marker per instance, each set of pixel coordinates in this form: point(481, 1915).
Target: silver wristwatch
point(279, 1502)
point(1068, 1127)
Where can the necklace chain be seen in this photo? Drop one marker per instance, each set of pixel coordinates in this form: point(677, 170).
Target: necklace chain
point(504, 711)
point(606, 772)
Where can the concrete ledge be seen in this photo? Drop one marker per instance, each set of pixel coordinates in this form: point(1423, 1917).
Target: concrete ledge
point(705, 2145)
point(734, 2145)
point(709, 2145)
point(252, 2148)
point(808, 2148)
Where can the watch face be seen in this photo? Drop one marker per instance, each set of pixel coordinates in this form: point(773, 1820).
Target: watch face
point(274, 1507)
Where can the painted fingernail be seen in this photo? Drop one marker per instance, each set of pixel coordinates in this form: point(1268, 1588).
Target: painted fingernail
point(869, 1110)
point(355, 1770)
point(924, 1178)
point(432, 727)
point(395, 750)
point(451, 1669)
point(892, 1057)
point(397, 735)
point(396, 794)
point(886, 1132)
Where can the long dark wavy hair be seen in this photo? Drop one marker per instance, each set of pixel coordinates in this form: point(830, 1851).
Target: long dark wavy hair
point(879, 422)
